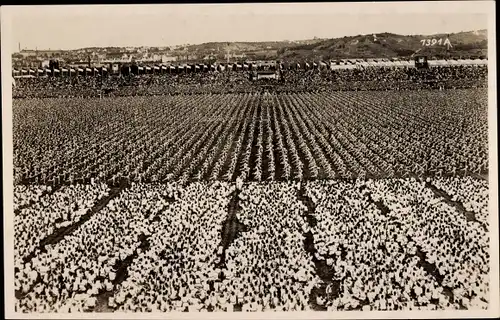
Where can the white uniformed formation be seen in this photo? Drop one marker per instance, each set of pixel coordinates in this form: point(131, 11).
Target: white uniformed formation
point(421, 254)
point(268, 267)
point(380, 270)
point(24, 195)
point(174, 273)
point(49, 213)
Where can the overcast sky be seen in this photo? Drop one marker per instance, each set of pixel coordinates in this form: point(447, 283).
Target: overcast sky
point(71, 27)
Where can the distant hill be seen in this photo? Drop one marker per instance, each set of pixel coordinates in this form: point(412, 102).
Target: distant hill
point(389, 45)
point(251, 50)
point(380, 45)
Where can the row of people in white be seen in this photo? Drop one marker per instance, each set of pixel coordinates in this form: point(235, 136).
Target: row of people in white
point(24, 195)
point(268, 267)
point(334, 134)
point(370, 254)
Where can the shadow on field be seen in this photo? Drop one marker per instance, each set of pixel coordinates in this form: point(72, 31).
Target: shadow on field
point(231, 227)
point(329, 289)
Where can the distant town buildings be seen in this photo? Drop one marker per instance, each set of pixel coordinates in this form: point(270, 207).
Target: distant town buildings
point(41, 53)
point(166, 59)
point(87, 57)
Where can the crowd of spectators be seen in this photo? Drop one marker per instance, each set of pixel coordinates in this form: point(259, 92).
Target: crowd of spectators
point(369, 78)
point(57, 87)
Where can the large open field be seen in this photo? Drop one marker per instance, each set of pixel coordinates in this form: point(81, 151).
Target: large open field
point(258, 137)
point(349, 201)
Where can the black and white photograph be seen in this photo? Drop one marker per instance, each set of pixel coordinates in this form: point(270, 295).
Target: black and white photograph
point(282, 160)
